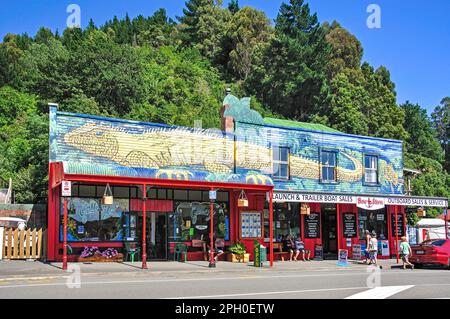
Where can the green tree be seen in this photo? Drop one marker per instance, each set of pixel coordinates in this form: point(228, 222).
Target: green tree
point(156, 31)
point(441, 124)
point(385, 117)
point(80, 103)
point(347, 99)
point(290, 75)
point(346, 52)
point(181, 87)
point(46, 71)
point(247, 29)
point(72, 38)
point(44, 35)
point(203, 26)
point(23, 145)
point(108, 72)
point(433, 180)
point(421, 138)
point(10, 55)
point(233, 6)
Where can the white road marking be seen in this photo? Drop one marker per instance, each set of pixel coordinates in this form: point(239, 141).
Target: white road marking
point(380, 292)
point(266, 293)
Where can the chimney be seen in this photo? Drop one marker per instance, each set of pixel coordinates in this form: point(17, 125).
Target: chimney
point(227, 123)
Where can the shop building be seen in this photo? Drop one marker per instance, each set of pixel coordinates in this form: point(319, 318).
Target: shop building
point(302, 179)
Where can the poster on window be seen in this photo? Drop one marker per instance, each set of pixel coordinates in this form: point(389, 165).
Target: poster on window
point(251, 225)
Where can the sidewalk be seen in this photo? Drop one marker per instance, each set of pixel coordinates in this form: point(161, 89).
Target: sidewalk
point(18, 268)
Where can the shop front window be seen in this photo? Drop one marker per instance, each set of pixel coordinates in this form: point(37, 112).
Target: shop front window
point(286, 221)
point(191, 220)
point(88, 220)
point(373, 220)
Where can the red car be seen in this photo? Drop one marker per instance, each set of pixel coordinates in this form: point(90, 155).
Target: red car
point(434, 251)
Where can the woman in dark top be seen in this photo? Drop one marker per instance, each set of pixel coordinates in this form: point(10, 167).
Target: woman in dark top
point(289, 246)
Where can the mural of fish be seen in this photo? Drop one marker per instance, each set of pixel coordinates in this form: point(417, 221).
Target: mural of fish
point(162, 148)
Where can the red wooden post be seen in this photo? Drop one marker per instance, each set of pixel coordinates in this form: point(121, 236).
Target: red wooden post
point(212, 263)
point(396, 232)
point(271, 227)
point(446, 222)
point(52, 222)
point(144, 227)
point(338, 226)
point(65, 235)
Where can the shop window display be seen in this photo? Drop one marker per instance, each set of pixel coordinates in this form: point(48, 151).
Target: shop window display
point(286, 220)
point(373, 220)
point(88, 220)
point(191, 220)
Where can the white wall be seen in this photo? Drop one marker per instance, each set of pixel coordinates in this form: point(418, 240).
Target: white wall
point(434, 233)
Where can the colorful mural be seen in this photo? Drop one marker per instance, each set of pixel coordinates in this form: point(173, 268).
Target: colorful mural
point(102, 146)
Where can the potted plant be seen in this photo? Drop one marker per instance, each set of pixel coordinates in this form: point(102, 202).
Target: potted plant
point(93, 254)
point(238, 253)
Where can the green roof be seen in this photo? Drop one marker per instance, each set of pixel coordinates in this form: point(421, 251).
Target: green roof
point(302, 125)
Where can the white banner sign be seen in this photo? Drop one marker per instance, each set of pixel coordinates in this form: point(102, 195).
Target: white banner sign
point(370, 203)
point(411, 201)
point(313, 198)
point(66, 188)
point(365, 202)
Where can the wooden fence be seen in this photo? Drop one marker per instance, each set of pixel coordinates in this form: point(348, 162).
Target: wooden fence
point(22, 244)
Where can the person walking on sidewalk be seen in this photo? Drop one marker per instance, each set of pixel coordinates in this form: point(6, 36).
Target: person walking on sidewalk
point(405, 252)
point(366, 251)
point(373, 249)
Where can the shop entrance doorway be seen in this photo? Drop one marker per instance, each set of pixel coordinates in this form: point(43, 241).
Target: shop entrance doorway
point(329, 231)
point(156, 229)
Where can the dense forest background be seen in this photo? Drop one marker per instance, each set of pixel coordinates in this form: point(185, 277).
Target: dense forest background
point(161, 70)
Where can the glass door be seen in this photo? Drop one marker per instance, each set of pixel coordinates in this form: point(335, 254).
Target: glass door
point(158, 231)
point(329, 229)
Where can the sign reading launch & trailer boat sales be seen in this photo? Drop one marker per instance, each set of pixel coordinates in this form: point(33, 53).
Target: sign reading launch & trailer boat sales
point(365, 202)
point(312, 198)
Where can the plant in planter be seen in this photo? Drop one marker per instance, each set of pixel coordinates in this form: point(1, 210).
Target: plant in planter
point(238, 253)
point(94, 254)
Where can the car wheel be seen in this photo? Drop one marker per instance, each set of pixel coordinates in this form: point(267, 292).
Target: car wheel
point(418, 266)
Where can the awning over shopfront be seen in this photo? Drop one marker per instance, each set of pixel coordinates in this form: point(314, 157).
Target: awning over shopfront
point(59, 171)
point(363, 201)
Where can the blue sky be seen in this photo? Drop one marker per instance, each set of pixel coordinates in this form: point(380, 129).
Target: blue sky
point(413, 42)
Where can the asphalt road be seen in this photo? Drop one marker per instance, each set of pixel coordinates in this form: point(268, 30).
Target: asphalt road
point(342, 283)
